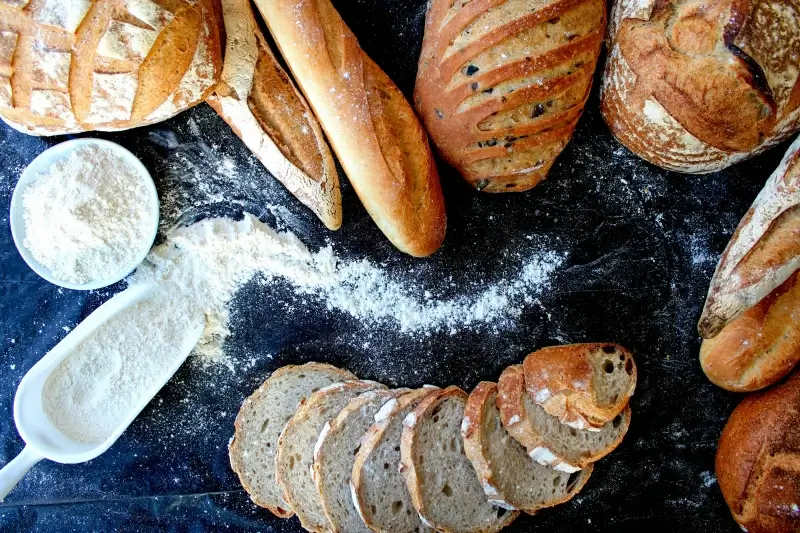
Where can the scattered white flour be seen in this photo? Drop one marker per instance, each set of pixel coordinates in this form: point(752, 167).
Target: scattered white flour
point(96, 387)
point(212, 259)
point(87, 216)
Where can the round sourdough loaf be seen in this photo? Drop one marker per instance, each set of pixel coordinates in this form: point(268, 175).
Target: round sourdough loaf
point(696, 86)
point(68, 66)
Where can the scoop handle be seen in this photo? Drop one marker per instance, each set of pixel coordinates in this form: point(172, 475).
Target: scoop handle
point(14, 471)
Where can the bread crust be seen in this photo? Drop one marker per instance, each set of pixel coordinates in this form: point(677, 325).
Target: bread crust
point(474, 447)
point(235, 454)
point(502, 138)
point(264, 108)
point(369, 124)
point(561, 380)
point(758, 461)
point(763, 252)
point(105, 65)
point(697, 86)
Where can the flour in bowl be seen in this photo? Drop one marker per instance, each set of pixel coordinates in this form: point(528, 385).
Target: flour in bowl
point(87, 216)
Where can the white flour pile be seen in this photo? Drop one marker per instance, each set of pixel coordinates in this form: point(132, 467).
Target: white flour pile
point(97, 386)
point(87, 217)
point(210, 260)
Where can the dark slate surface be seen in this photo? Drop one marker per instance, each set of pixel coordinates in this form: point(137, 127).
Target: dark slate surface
point(640, 247)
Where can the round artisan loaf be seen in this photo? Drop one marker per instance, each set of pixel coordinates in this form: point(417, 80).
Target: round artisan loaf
point(68, 66)
point(758, 460)
point(697, 86)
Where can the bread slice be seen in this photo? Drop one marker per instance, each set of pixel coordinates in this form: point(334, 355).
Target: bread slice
point(509, 476)
point(295, 460)
point(444, 488)
point(547, 440)
point(335, 453)
point(259, 424)
point(378, 489)
point(583, 385)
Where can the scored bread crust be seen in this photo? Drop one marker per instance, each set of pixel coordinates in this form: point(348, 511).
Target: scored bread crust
point(760, 347)
point(408, 468)
point(371, 439)
point(371, 127)
point(511, 388)
point(501, 84)
point(264, 108)
point(70, 67)
point(758, 460)
point(284, 461)
point(475, 448)
point(236, 448)
point(561, 380)
point(763, 252)
point(698, 86)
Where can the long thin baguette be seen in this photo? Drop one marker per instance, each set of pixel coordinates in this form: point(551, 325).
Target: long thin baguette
point(369, 123)
point(264, 108)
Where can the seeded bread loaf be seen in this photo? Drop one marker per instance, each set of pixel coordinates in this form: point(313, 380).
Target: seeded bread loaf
point(442, 484)
point(378, 489)
point(502, 83)
point(509, 476)
point(264, 108)
point(259, 424)
point(583, 385)
point(696, 86)
point(295, 460)
point(334, 455)
point(68, 66)
point(548, 441)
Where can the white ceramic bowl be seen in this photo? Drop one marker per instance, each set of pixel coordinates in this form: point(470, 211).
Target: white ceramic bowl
point(39, 166)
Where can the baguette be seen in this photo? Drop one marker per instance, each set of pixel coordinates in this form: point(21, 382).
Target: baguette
point(264, 108)
point(370, 125)
point(696, 86)
point(70, 67)
point(501, 84)
point(758, 460)
point(763, 252)
point(761, 346)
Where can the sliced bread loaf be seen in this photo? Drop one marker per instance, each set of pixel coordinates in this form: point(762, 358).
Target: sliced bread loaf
point(547, 440)
point(509, 476)
point(334, 454)
point(583, 385)
point(378, 489)
point(443, 486)
point(295, 459)
point(259, 424)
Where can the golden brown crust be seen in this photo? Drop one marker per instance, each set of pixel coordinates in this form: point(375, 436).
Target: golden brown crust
point(757, 463)
point(760, 347)
point(500, 87)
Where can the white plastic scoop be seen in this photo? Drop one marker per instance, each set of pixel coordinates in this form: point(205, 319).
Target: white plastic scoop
point(45, 441)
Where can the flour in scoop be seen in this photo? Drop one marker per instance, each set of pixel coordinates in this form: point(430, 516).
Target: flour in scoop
point(105, 379)
point(87, 217)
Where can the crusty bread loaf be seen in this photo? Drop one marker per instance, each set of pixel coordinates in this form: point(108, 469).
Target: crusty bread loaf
point(295, 460)
point(758, 460)
point(264, 108)
point(335, 453)
point(509, 476)
point(260, 422)
point(763, 252)
point(502, 83)
point(378, 489)
point(443, 485)
point(583, 385)
point(370, 125)
point(68, 66)
point(760, 347)
point(695, 86)
point(548, 441)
